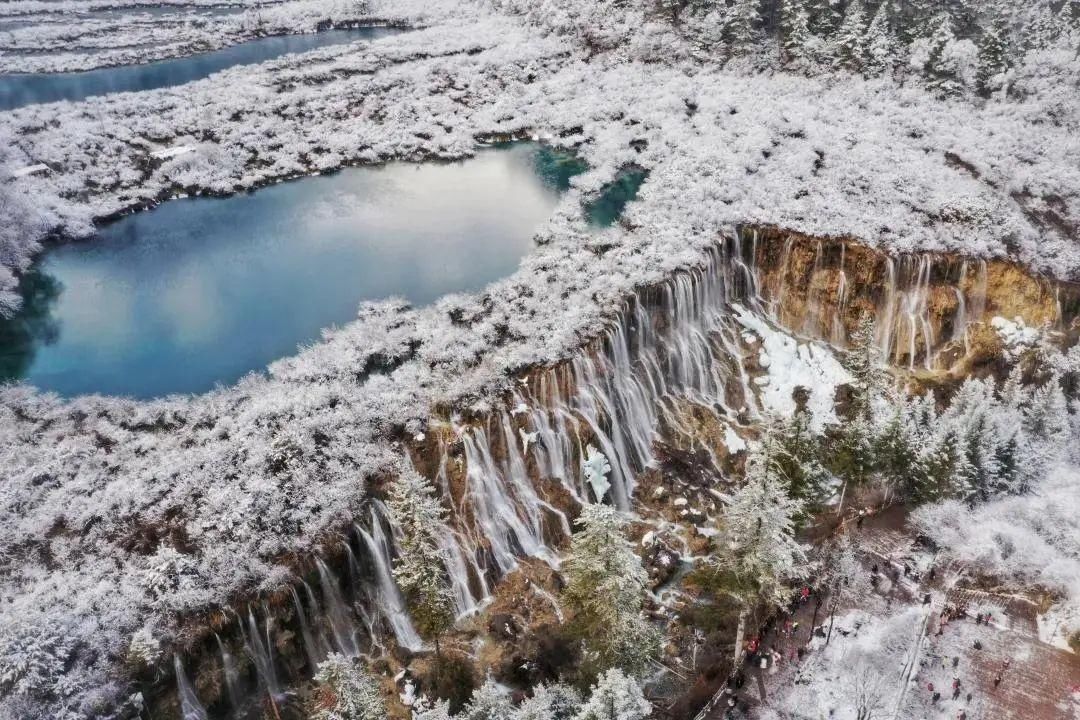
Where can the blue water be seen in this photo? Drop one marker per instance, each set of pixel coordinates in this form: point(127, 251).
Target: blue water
point(199, 292)
point(19, 90)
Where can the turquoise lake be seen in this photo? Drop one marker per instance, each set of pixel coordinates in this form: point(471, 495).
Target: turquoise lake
point(21, 89)
point(199, 292)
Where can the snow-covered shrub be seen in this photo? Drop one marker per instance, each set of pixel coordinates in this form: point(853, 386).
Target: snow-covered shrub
point(349, 691)
point(33, 659)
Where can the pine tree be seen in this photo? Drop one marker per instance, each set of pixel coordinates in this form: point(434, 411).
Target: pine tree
point(939, 69)
point(759, 546)
point(993, 56)
point(1042, 30)
point(795, 26)
point(794, 450)
point(880, 44)
point(431, 710)
point(849, 45)
point(896, 454)
point(605, 590)
point(972, 413)
point(615, 696)
point(851, 452)
point(419, 569)
point(488, 702)
point(347, 692)
point(948, 472)
point(825, 17)
point(550, 702)
point(1046, 418)
point(863, 360)
point(742, 25)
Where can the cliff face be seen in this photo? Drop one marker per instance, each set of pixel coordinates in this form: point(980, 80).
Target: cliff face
point(670, 390)
point(931, 310)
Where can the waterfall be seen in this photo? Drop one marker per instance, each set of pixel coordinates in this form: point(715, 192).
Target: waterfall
point(838, 336)
point(232, 675)
point(312, 650)
point(337, 612)
point(389, 602)
point(677, 342)
point(460, 571)
point(261, 654)
point(776, 302)
point(508, 527)
point(978, 305)
point(812, 322)
point(190, 707)
point(960, 321)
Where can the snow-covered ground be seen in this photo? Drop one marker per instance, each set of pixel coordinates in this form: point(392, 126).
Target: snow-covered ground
point(1029, 540)
point(890, 652)
point(82, 35)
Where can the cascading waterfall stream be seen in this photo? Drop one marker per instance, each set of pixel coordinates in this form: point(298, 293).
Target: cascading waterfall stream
point(232, 675)
point(511, 476)
point(190, 707)
point(261, 655)
point(390, 603)
point(312, 648)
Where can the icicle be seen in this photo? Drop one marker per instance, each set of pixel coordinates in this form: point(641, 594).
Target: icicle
point(190, 707)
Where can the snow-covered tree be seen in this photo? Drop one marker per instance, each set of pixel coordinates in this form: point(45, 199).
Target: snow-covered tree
point(32, 659)
point(144, 650)
point(897, 459)
point(864, 362)
point(347, 691)
point(757, 543)
point(550, 702)
point(880, 44)
point(419, 569)
point(825, 16)
point(948, 472)
point(795, 28)
point(793, 448)
point(993, 56)
point(1046, 417)
point(1042, 30)
point(615, 696)
point(842, 578)
point(939, 66)
point(851, 454)
point(742, 25)
point(426, 709)
point(605, 591)
point(849, 44)
point(488, 702)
